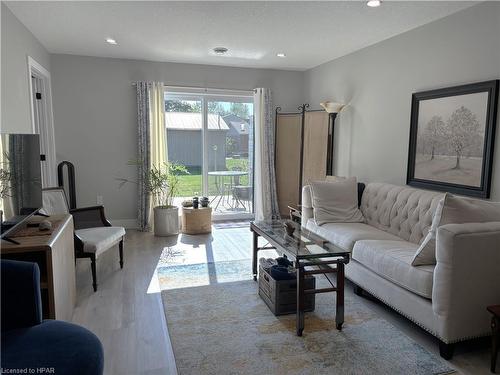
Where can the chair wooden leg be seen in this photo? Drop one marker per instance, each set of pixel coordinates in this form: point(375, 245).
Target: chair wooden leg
point(120, 248)
point(93, 268)
point(494, 342)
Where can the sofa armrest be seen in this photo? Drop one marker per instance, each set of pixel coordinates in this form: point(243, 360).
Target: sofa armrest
point(21, 299)
point(467, 274)
point(306, 204)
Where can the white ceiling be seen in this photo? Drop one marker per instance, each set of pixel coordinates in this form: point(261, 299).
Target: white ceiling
point(310, 33)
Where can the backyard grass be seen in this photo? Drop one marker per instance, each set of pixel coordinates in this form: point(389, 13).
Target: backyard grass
point(190, 184)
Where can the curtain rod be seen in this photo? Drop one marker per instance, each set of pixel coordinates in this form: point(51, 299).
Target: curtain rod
point(203, 88)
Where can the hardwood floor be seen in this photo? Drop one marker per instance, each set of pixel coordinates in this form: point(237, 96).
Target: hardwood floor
point(126, 312)
point(128, 320)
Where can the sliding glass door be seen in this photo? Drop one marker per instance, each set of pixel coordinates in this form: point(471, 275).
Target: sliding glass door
point(212, 135)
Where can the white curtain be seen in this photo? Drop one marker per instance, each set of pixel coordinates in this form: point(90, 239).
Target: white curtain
point(266, 201)
point(152, 142)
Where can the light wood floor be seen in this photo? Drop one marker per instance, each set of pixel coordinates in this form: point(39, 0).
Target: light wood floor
point(126, 312)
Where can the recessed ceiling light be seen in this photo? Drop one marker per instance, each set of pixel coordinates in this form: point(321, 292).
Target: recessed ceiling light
point(111, 41)
point(374, 3)
point(220, 50)
point(281, 54)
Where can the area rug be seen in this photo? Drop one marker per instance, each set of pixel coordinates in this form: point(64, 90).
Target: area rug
point(225, 328)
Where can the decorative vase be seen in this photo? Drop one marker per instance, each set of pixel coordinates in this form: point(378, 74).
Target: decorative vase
point(166, 221)
point(204, 202)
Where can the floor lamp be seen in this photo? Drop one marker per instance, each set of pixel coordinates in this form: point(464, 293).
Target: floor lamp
point(332, 108)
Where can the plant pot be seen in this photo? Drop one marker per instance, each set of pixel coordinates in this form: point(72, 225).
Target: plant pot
point(166, 221)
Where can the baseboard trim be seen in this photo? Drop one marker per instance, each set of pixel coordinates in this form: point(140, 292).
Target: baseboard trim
point(126, 223)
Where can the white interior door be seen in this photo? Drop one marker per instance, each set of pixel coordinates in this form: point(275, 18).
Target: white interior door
point(42, 121)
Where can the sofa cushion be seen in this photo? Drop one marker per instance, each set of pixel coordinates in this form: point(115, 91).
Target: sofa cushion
point(336, 201)
point(454, 210)
point(402, 211)
point(345, 235)
point(98, 240)
point(392, 261)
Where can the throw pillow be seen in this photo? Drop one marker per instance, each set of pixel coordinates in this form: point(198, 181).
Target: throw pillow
point(307, 195)
point(426, 253)
point(336, 202)
point(335, 178)
point(454, 210)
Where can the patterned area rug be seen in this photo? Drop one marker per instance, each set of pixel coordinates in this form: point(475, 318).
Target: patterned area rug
point(226, 328)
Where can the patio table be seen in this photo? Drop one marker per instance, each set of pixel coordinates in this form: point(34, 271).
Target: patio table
point(220, 179)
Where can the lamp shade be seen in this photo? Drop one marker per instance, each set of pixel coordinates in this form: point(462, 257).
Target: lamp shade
point(332, 107)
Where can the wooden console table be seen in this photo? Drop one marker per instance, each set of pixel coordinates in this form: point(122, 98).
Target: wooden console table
point(55, 255)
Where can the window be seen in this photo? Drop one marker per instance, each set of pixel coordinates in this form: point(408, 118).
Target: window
point(212, 135)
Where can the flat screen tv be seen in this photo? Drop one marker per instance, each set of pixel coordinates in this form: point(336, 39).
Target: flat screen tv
point(20, 179)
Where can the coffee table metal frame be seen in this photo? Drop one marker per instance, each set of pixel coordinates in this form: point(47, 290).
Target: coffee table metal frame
point(294, 248)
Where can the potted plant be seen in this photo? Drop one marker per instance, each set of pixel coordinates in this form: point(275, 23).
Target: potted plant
point(162, 183)
point(5, 182)
point(164, 186)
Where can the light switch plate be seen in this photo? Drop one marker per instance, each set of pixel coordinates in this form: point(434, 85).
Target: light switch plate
point(100, 200)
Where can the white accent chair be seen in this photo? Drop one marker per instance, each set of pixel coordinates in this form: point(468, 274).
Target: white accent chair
point(94, 234)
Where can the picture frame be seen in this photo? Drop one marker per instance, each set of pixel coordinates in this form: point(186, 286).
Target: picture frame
point(452, 136)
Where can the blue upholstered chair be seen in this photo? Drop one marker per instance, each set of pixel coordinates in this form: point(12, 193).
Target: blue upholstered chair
point(30, 342)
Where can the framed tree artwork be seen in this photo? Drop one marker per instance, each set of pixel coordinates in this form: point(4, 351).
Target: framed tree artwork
point(452, 134)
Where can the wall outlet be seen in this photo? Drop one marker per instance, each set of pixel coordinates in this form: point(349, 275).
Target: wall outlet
point(100, 200)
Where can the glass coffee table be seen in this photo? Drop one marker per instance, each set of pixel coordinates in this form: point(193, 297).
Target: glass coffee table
point(305, 249)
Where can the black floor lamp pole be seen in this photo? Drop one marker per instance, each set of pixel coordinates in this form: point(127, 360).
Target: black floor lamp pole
point(331, 135)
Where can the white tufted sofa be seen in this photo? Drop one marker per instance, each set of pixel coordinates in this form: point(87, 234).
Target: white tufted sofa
point(448, 299)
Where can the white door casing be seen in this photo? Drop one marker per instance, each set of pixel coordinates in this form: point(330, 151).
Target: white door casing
point(42, 119)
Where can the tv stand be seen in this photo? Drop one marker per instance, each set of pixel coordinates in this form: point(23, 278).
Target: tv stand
point(40, 214)
point(10, 240)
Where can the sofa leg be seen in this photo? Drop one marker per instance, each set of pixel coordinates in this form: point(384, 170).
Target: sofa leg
point(358, 290)
point(446, 350)
point(93, 268)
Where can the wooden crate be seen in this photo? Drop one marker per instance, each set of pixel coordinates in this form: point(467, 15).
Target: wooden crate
point(281, 295)
point(196, 220)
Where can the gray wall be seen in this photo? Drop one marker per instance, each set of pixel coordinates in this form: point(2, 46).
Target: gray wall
point(17, 44)
point(377, 82)
point(95, 109)
point(95, 115)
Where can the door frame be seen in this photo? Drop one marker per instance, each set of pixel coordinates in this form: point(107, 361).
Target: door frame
point(205, 96)
point(46, 131)
point(232, 98)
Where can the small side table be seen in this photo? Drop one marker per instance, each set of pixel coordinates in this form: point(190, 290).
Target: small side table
point(196, 220)
point(495, 333)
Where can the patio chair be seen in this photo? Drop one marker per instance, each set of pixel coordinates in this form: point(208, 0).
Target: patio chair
point(94, 234)
point(242, 194)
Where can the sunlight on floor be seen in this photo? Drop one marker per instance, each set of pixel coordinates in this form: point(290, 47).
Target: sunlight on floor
point(198, 260)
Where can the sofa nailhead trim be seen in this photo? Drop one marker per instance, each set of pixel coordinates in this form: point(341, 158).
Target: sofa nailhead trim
point(420, 325)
